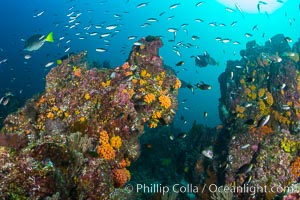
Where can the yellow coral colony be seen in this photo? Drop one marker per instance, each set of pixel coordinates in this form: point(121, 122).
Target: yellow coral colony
point(177, 84)
point(165, 101)
point(153, 124)
point(87, 96)
point(103, 137)
point(149, 98)
point(156, 115)
point(116, 142)
point(145, 74)
point(105, 150)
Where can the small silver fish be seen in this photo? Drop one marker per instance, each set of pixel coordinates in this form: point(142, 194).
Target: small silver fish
point(152, 20)
point(174, 6)
point(199, 3)
point(233, 23)
point(138, 43)
point(172, 30)
point(101, 50)
point(171, 137)
point(67, 49)
point(111, 27)
point(142, 4)
point(285, 107)
point(1, 100)
point(49, 64)
point(248, 105)
point(208, 153)
point(245, 146)
point(131, 37)
point(93, 33)
point(229, 9)
point(27, 56)
point(239, 9)
point(6, 101)
point(248, 35)
point(263, 121)
point(104, 35)
point(225, 40)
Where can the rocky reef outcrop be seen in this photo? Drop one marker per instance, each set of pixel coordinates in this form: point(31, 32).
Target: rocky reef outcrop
point(260, 107)
point(78, 138)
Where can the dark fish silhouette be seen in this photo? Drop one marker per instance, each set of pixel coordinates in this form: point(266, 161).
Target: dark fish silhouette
point(204, 60)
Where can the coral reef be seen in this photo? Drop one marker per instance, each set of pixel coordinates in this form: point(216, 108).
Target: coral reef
point(77, 139)
point(259, 105)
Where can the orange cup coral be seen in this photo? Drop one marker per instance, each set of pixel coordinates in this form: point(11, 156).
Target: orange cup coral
point(265, 130)
point(153, 124)
point(247, 91)
point(77, 72)
point(87, 96)
point(252, 87)
point(295, 168)
point(156, 115)
point(106, 151)
point(120, 177)
point(50, 115)
point(145, 74)
point(103, 137)
point(116, 142)
point(149, 98)
point(165, 101)
point(240, 109)
point(105, 84)
point(262, 106)
point(177, 84)
point(269, 99)
point(125, 65)
point(122, 164)
point(261, 92)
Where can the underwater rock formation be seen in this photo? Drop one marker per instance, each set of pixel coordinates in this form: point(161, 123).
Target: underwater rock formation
point(76, 140)
point(260, 106)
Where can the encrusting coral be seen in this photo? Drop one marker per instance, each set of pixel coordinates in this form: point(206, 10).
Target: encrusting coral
point(149, 98)
point(116, 142)
point(295, 167)
point(106, 151)
point(165, 101)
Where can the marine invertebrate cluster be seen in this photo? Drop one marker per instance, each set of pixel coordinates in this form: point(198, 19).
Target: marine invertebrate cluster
point(261, 92)
point(120, 177)
point(289, 146)
point(240, 109)
point(165, 101)
point(269, 98)
point(106, 151)
point(116, 142)
point(149, 98)
point(177, 84)
point(156, 115)
point(295, 168)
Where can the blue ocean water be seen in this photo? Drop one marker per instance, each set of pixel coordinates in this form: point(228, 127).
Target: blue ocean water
point(76, 26)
